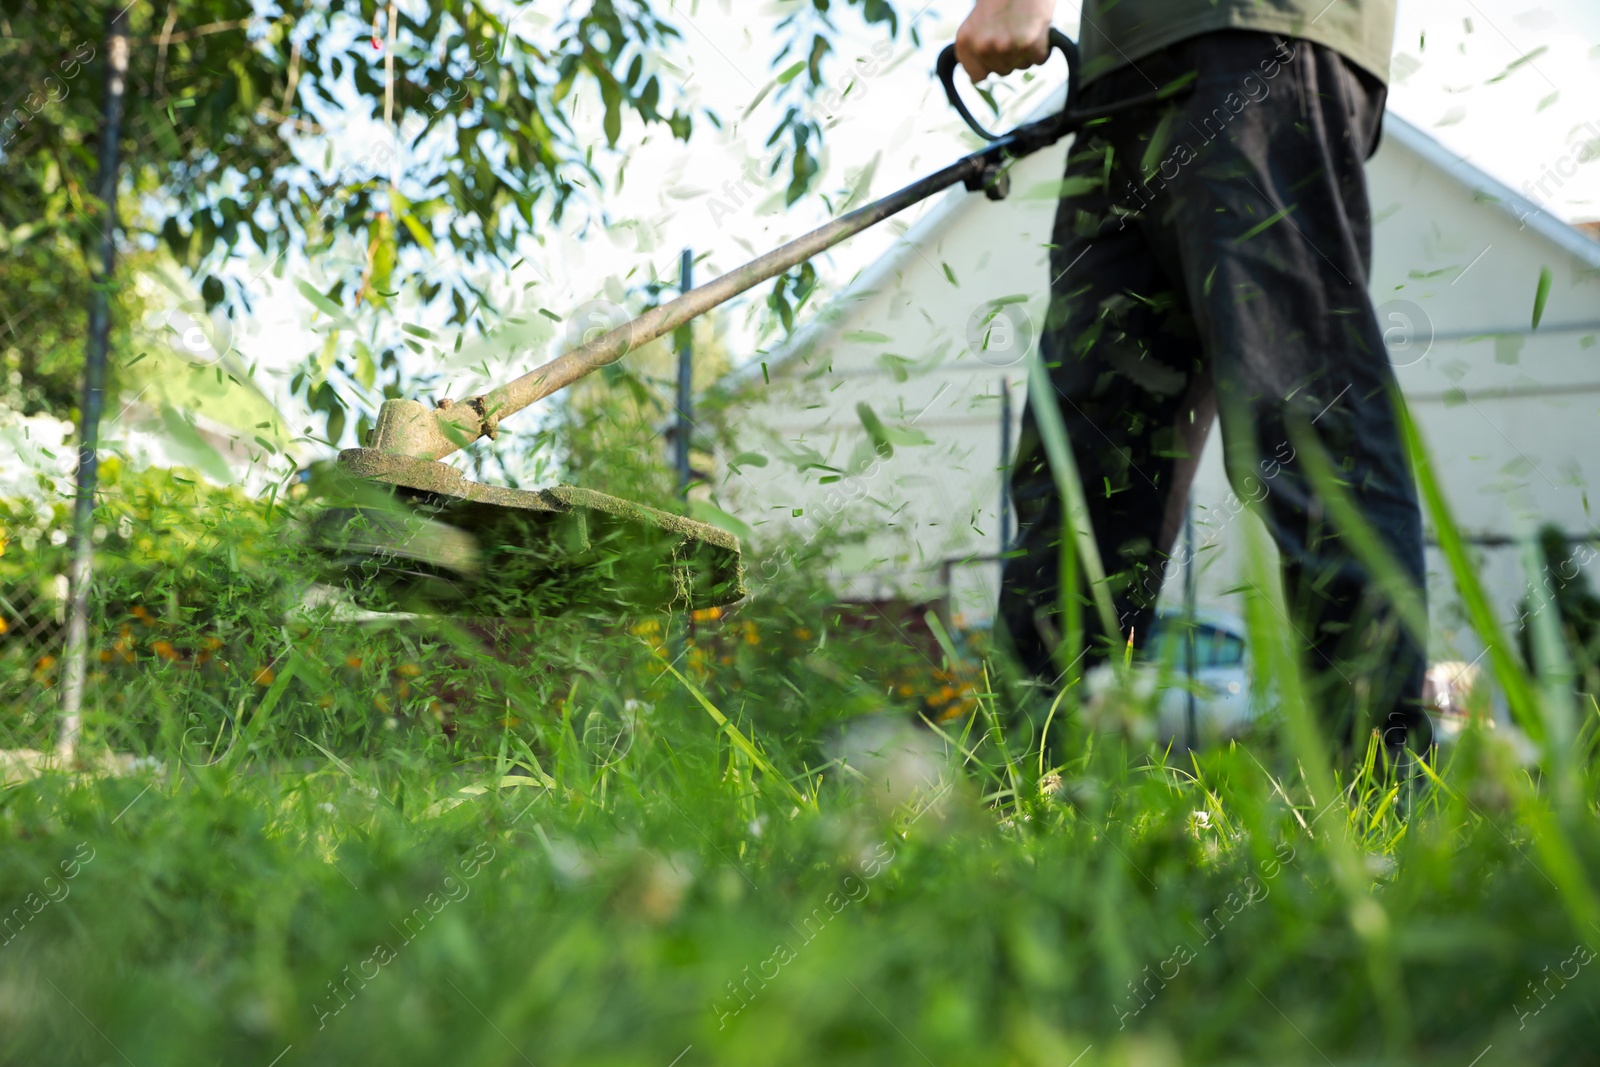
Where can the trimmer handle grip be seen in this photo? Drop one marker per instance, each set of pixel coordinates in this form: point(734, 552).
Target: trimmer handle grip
point(946, 69)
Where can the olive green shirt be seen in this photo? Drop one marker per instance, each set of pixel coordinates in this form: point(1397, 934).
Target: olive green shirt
point(1116, 33)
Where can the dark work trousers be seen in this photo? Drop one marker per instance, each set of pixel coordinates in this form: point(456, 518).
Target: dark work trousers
point(1210, 258)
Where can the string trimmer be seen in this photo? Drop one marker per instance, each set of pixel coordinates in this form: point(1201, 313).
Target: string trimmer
point(417, 533)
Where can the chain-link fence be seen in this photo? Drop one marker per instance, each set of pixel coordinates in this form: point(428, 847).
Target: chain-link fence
point(34, 453)
point(33, 614)
point(180, 589)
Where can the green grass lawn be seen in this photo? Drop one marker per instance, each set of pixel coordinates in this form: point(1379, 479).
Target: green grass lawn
point(430, 843)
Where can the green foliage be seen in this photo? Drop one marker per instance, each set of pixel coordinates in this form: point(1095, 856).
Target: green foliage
point(1573, 600)
point(219, 97)
point(225, 154)
point(183, 574)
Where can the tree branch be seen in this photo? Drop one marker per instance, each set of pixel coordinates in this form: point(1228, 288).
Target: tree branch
point(167, 37)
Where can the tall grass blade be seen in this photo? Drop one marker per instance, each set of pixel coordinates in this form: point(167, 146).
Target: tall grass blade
point(1363, 540)
point(740, 741)
point(1270, 626)
point(1507, 671)
point(1074, 506)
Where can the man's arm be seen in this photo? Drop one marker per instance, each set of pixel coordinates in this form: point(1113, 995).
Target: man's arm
point(1001, 36)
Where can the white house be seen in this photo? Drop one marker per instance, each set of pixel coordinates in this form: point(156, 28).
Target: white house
point(1509, 411)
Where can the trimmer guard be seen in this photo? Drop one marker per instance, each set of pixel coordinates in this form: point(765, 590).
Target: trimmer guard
point(418, 535)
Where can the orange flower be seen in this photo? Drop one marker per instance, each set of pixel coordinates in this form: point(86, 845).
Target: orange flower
point(165, 650)
point(45, 663)
point(264, 676)
point(105, 655)
point(141, 613)
point(3, 625)
point(353, 662)
point(380, 702)
point(408, 670)
point(403, 690)
point(803, 634)
point(706, 614)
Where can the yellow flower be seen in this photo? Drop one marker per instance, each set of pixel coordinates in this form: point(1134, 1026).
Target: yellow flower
point(409, 670)
point(264, 676)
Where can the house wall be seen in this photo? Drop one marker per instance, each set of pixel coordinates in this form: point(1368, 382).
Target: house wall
point(1509, 412)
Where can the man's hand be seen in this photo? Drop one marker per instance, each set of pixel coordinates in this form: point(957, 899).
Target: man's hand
point(1001, 36)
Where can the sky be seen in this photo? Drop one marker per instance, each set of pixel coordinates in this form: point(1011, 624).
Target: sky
point(1512, 86)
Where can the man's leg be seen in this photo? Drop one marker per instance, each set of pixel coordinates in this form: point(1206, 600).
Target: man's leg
point(1266, 217)
point(1125, 364)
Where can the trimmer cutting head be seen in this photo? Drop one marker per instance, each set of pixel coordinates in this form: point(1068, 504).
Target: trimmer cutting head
point(417, 535)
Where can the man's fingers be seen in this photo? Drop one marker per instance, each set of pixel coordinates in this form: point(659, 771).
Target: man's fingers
point(1028, 53)
point(976, 69)
point(983, 54)
point(987, 55)
point(976, 52)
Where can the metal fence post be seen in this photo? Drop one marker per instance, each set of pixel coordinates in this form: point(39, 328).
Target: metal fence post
point(81, 570)
point(681, 435)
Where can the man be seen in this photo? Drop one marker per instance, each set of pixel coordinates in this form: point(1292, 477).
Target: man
point(1210, 258)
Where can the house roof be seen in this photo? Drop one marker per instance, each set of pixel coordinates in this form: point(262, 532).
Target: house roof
point(1490, 190)
point(835, 315)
